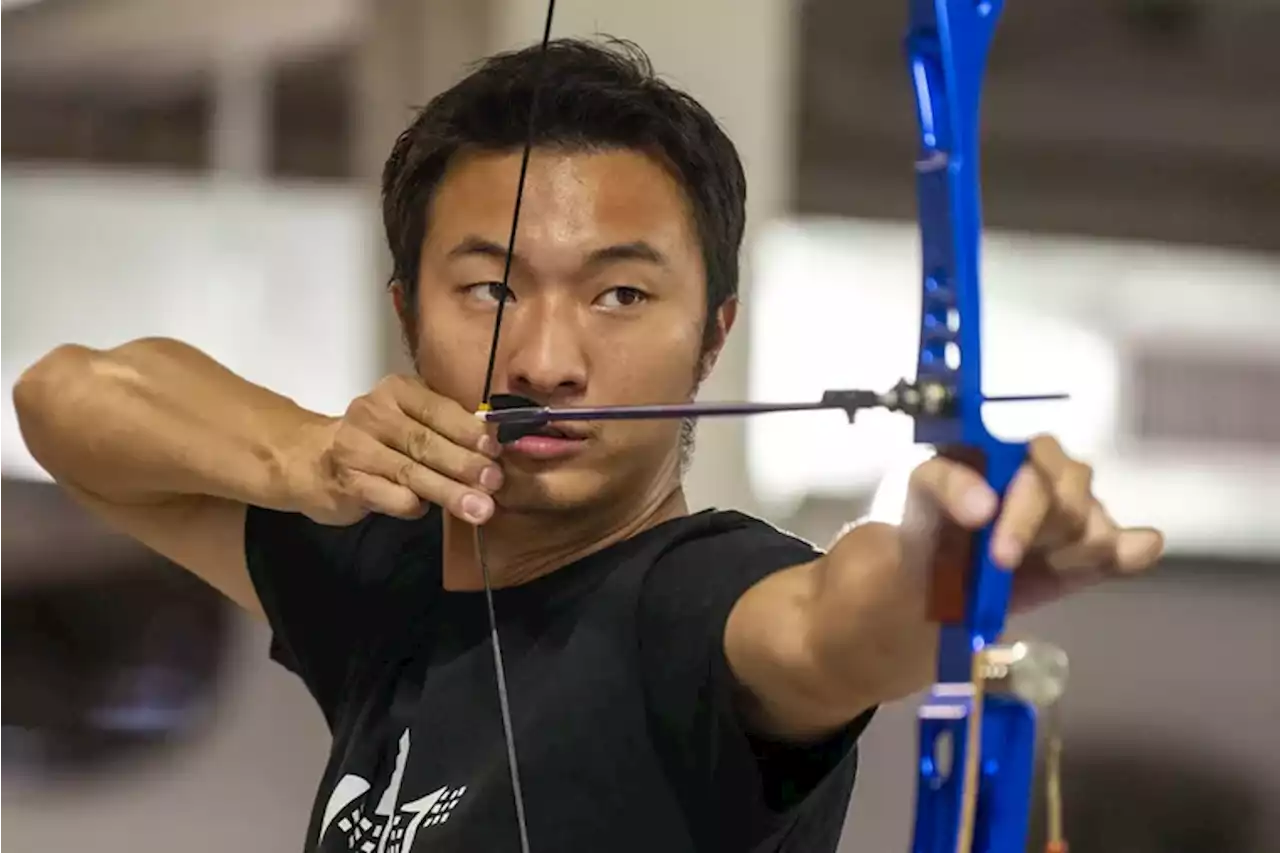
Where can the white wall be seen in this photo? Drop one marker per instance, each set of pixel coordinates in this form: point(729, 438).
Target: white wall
point(275, 281)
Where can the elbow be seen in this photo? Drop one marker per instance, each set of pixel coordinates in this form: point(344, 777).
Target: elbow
point(44, 395)
point(40, 385)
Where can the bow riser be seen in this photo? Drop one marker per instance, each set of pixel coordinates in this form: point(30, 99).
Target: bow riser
point(1005, 771)
point(976, 748)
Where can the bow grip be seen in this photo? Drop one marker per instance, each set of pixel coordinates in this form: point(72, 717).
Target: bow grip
point(968, 592)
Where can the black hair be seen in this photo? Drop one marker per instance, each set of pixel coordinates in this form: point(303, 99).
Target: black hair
point(583, 96)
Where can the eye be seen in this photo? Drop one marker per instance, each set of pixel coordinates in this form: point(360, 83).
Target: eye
point(488, 291)
point(622, 297)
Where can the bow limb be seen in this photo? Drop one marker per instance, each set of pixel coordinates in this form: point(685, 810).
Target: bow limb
point(978, 725)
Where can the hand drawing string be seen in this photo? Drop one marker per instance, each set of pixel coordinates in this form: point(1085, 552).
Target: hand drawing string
point(504, 702)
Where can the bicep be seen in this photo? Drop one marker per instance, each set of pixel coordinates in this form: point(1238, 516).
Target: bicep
point(766, 643)
point(205, 535)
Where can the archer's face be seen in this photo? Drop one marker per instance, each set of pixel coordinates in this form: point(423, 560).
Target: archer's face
point(607, 307)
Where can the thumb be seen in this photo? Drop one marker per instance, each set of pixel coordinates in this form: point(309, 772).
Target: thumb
point(1138, 548)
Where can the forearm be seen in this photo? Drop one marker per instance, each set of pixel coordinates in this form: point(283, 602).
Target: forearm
point(870, 635)
point(156, 418)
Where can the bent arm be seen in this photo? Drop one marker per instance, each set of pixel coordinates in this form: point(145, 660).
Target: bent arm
point(168, 446)
point(816, 645)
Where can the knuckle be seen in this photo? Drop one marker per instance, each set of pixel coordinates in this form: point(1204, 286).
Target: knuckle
point(344, 449)
point(1098, 526)
point(1081, 473)
point(426, 410)
point(335, 468)
point(1045, 442)
point(404, 474)
point(421, 444)
point(1076, 525)
point(406, 504)
point(359, 410)
point(927, 474)
point(343, 476)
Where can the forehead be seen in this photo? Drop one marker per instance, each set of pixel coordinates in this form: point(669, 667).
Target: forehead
point(569, 197)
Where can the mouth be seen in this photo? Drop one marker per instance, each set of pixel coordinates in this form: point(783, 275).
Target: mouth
point(550, 442)
point(564, 431)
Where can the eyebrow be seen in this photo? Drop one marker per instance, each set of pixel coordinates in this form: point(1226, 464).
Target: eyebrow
point(637, 250)
point(473, 245)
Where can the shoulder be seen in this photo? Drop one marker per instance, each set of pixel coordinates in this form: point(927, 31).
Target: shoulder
point(732, 541)
point(718, 558)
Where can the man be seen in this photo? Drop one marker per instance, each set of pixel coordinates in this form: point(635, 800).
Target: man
point(677, 682)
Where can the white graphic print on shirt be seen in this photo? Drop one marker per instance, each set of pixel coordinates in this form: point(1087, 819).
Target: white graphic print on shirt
point(391, 827)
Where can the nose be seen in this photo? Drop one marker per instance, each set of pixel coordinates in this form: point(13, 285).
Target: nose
point(545, 354)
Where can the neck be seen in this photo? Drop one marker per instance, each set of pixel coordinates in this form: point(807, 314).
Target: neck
point(522, 546)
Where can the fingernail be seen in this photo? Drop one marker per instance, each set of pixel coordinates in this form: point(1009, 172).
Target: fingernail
point(477, 508)
point(491, 478)
point(1006, 552)
point(978, 505)
point(489, 446)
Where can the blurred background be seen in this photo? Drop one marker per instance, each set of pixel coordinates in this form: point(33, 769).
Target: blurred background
point(208, 171)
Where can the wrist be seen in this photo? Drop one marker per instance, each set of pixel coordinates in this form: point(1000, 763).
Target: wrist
point(302, 476)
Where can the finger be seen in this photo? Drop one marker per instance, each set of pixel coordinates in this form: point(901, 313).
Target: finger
point(1072, 484)
point(383, 496)
point(457, 498)
point(1094, 551)
point(1104, 550)
point(1026, 505)
point(959, 491)
point(1049, 576)
point(432, 450)
point(444, 416)
point(1138, 549)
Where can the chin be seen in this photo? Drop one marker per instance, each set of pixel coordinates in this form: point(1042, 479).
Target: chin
point(553, 491)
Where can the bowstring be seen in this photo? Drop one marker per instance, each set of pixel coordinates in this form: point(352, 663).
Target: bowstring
point(500, 675)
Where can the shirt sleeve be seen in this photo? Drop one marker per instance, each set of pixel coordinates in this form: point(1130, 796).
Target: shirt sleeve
point(330, 592)
point(758, 787)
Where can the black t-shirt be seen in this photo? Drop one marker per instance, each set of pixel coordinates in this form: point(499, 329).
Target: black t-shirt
point(621, 697)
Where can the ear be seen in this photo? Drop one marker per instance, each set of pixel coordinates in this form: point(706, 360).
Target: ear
point(406, 314)
point(725, 316)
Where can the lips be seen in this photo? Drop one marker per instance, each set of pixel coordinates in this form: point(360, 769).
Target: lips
point(548, 444)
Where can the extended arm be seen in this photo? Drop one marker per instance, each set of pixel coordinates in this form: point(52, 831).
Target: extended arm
point(817, 644)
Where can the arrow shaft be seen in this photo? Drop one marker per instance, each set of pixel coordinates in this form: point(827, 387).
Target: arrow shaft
point(547, 414)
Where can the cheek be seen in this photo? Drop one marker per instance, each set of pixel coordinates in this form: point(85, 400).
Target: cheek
point(673, 352)
point(451, 358)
